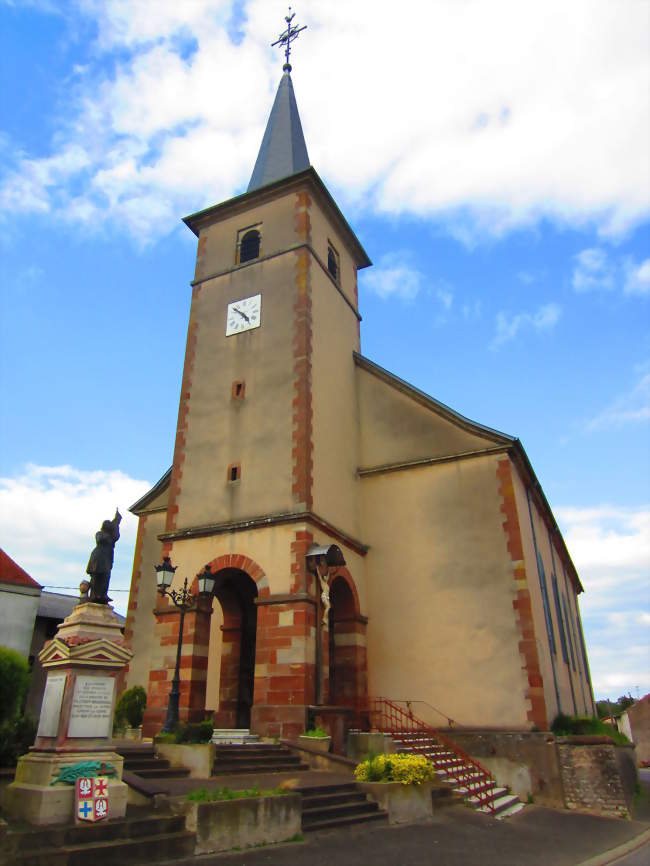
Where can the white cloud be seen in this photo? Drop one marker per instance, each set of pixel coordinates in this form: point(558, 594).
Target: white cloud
point(592, 271)
point(610, 547)
point(509, 325)
point(471, 310)
point(49, 516)
point(632, 407)
point(173, 120)
point(637, 277)
point(392, 276)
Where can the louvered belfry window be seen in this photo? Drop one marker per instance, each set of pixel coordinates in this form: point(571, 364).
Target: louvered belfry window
point(249, 248)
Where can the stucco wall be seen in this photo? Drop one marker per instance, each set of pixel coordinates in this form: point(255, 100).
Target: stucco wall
point(18, 608)
point(440, 586)
point(395, 428)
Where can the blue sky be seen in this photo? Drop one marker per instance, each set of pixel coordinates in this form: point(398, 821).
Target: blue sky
point(495, 168)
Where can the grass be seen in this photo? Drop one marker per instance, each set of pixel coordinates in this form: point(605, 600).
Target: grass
point(317, 733)
point(213, 795)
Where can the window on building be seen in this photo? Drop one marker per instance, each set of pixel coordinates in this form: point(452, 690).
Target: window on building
point(248, 246)
point(234, 472)
point(333, 262)
point(560, 622)
point(238, 390)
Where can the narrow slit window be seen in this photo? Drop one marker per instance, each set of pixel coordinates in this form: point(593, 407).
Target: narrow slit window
point(249, 246)
point(234, 472)
point(333, 262)
point(238, 390)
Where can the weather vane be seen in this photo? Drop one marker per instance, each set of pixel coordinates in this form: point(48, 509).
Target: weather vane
point(288, 37)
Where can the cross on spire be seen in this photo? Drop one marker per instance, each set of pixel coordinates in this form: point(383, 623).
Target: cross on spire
point(288, 37)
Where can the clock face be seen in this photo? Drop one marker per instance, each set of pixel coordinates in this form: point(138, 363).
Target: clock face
point(244, 315)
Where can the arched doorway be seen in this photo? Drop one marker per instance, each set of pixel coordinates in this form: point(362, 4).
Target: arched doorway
point(346, 646)
point(236, 592)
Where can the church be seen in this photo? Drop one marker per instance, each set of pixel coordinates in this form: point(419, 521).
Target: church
point(367, 540)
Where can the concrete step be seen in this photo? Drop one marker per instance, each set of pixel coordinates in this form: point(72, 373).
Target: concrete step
point(230, 769)
point(233, 735)
point(148, 848)
point(379, 817)
point(337, 810)
point(250, 751)
point(334, 799)
point(162, 773)
point(317, 790)
point(508, 811)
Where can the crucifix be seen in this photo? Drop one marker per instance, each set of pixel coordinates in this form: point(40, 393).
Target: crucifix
point(322, 562)
point(286, 38)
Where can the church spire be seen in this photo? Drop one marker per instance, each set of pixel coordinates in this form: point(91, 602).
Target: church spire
point(283, 151)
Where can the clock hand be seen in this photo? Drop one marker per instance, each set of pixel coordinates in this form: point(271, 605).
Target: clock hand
point(243, 315)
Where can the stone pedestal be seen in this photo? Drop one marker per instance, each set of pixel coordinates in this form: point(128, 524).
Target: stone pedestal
point(76, 721)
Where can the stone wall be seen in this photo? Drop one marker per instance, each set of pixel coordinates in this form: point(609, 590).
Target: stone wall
point(591, 777)
point(587, 774)
point(525, 761)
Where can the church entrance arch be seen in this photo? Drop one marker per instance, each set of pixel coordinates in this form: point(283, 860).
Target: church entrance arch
point(347, 650)
point(235, 592)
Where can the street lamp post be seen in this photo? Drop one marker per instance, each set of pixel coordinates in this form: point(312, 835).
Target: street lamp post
point(185, 600)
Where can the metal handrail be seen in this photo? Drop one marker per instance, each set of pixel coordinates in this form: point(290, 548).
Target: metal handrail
point(388, 717)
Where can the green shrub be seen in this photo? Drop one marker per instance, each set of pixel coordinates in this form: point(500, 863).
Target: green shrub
point(14, 680)
point(188, 732)
point(316, 732)
point(567, 726)
point(130, 708)
point(195, 732)
point(16, 736)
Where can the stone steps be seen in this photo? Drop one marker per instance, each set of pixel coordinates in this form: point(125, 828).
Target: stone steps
point(328, 806)
point(255, 758)
point(477, 788)
point(105, 843)
point(143, 762)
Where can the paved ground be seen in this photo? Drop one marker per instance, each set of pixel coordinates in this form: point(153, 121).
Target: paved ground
point(455, 837)
point(458, 836)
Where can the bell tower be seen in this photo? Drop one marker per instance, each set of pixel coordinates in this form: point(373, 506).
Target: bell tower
point(267, 440)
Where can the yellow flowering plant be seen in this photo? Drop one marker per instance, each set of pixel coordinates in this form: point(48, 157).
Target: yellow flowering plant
point(407, 769)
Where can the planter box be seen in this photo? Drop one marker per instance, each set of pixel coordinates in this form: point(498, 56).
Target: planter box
point(319, 744)
point(133, 733)
point(198, 758)
point(227, 824)
point(403, 803)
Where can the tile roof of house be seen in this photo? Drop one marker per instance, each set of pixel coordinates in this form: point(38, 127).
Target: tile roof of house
point(11, 572)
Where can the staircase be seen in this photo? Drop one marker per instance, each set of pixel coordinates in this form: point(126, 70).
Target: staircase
point(329, 806)
point(452, 765)
point(129, 841)
point(472, 782)
point(255, 758)
point(143, 761)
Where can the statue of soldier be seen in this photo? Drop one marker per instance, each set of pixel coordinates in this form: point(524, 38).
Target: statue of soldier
point(101, 559)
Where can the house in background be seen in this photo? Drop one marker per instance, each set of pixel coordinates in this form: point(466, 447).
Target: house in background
point(19, 598)
point(634, 722)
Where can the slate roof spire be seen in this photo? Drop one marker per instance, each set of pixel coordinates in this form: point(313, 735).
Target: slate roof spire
point(283, 151)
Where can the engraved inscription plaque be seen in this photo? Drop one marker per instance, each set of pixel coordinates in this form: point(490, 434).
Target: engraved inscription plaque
point(48, 725)
point(91, 714)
